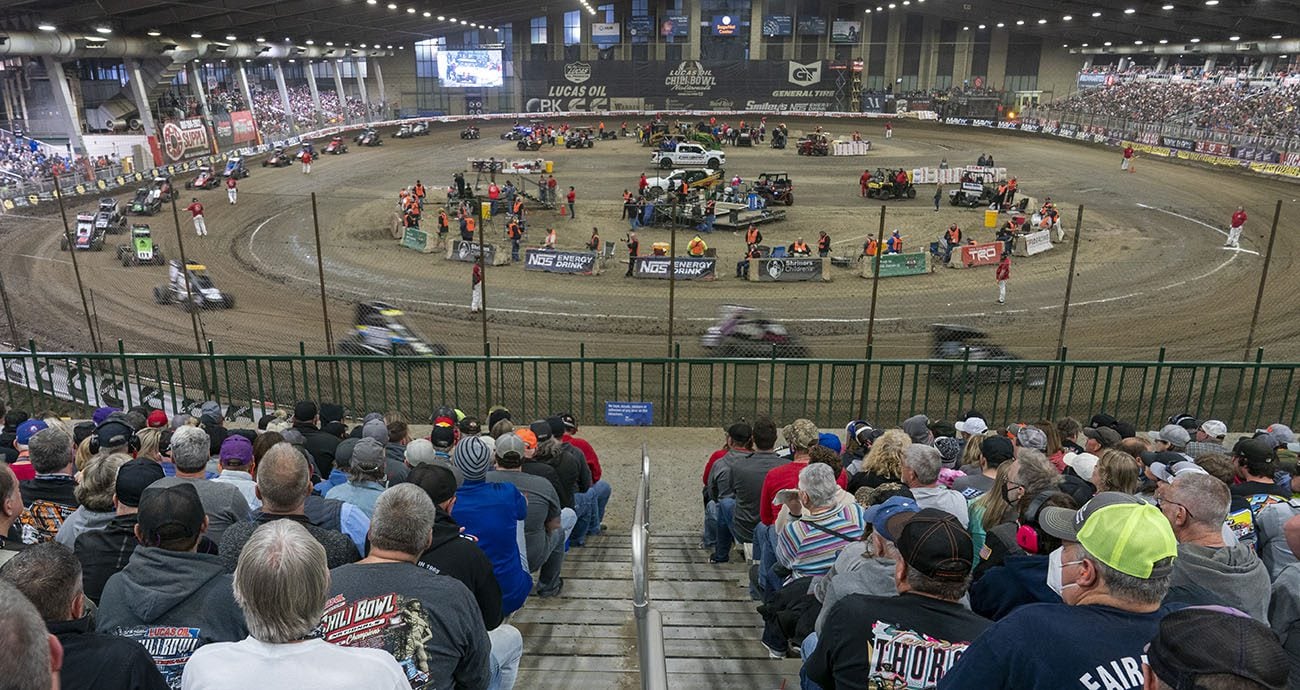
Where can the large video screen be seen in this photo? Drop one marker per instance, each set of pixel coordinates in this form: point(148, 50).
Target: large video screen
point(469, 68)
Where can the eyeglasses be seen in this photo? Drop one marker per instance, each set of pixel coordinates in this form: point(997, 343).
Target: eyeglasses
point(1161, 501)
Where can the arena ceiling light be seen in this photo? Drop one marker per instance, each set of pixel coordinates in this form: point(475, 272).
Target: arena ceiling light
point(392, 5)
point(103, 30)
point(410, 10)
point(1211, 3)
point(427, 14)
point(196, 35)
point(1107, 44)
point(1096, 14)
point(230, 37)
point(1234, 38)
point(1001, 24)
point(329, 43)
point(1067, 18)
point(310, 42)
point(1020, 22)
point(1276, 37)
point(1196, 40)
point(259, 39)
point(372, 2)
point(1129, 10)
point(1163, 41)
point(1137, 43)
point(983, 27)
point(47, 27)
point(154, 32)
point(1042, 21)
point(1166, 7)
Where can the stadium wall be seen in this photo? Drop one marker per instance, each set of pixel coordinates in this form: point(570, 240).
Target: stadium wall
point(1058, 72)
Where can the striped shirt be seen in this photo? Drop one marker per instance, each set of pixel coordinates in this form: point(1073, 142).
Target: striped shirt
point(809, 551)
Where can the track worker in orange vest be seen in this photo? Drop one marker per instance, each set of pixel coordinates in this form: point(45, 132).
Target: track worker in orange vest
point(753, 236)
point(823, 244)
point(800, 248)
point(696, 247)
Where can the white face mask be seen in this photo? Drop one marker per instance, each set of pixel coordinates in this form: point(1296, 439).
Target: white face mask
point(1054, 567)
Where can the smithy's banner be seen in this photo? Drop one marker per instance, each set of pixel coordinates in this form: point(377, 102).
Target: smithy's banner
point(772, 86)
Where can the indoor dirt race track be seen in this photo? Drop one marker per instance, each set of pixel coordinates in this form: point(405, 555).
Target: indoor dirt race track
point(1152, 270)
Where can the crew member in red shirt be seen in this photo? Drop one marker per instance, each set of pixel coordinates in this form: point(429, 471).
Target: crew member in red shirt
point(1238, 224)
point(231, 192)
point(196, 209)
point(306, 162)
point(1003, 274)
point(1128, 158)
point(571, 197)
point(862, 182)
point(476, 288)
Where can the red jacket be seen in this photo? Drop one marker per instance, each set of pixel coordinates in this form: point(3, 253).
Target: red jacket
point(1003, 271)
point(476, 276)
point(708, 466)
point(1238, 219)
point(195, 208)
point(593, 461)
point(230, 183)
point(572, 195)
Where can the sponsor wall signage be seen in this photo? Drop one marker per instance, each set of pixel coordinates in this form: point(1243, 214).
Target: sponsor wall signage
point(583, 263)
point(1094, 81)
point(1038, 242)
point(468, 252)
point(812, 26)
point(899, 265)
point(981, 254)
point(675, 25)
point(639, 29)
point(845, 31)
point(725, 25)
point(766, 86)
point(687, 268)
point(183, 139)
point(778, 25)
point(235, 129)
point(789, 269)
point(1176, 143)
point(605, 34)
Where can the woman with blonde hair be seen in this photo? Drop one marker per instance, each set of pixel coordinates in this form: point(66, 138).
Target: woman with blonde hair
point(970, 453)
point(884, 462)
point(1116, 471)
point(83, 454)
point(151, 448)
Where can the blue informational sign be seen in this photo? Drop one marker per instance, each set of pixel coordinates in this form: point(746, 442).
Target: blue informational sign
point(639, 29)
point(629, 413)
point(778, 25)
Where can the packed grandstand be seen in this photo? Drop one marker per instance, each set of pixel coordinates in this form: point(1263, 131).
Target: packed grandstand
point(986, 519)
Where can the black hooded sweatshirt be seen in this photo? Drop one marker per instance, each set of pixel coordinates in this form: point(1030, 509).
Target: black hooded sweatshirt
point(458, 555)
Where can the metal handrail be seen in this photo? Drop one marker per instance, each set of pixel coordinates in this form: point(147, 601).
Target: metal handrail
point(652, 660)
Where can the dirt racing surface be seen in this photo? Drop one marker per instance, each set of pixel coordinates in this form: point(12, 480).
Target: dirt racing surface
point(1151, 267)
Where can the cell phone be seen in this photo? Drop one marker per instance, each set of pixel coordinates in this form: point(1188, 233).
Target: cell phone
point(784, 495)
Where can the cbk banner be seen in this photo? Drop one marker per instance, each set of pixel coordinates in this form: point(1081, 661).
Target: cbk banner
point(772, 85)
point(686, 268)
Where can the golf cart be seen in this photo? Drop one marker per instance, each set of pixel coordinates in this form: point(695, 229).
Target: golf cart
point(815, 144)
point(379, 330)
point(109, 217)
point(369, 137)
point(971, 347)
point(235, 168)
point(202, 294)
point(336, 146)
point(149, 200)
point(775, 187)
point(529, 144)
point(88, 236)
point(579, 138)
point(884, 186)
point(206, 179)
point(277, 159)
point(695, 178)
point(746, 332)
point(142, 250)
point(471, 132)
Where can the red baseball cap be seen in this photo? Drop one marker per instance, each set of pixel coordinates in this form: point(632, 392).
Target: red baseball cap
point(157, 419)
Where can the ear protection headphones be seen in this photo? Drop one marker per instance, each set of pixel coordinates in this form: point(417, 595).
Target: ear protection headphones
point(130, 438)
point(1029, 536)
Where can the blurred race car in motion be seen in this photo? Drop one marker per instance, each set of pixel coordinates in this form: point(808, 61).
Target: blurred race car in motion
point(109, 216)
point(235, 168)
point(148, 200)
point(369, 137)
point(470, 132)
point(379, 330)
point(746, 332)
point(336, 145)
point(277, 159)
point(202, 293)
point(971, 346)
point(206, 179)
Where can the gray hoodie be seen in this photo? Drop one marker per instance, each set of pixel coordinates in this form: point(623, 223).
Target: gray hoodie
point(1234, 574)
point(172, 602)
point(854, 573)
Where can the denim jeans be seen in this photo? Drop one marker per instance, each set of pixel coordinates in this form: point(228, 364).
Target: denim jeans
point(768, 582)
point(507, 650)
point(549, 577)
point(805, 651)
point(586, 505)
point(723, 512)
point(602, 491)
point(710, 536)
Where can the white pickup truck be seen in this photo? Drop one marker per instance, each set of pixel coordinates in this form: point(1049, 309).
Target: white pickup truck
point(689, 156)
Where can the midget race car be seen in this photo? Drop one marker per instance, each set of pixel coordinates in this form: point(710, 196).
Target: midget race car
point(971, 346)
point(206, 179)
point(701, 178)
point(88, 236)
point(142, 250)
point(202, 293)
point(745, 332)
point(277, 159)
point(406, 131)
point(306, 147)
point(973, 194)
point(235, 168)
point(380, 330)
point(369, 137)
point(109, 218)
point(336, 146)
point(470, 132)
point(148, 200)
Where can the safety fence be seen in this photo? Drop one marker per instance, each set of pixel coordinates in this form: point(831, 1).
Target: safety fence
point(679, 391)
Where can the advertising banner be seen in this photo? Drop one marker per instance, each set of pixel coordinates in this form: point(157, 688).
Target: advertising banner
point(1094, 81)
point(605, 34)
point(639, 29)
point(786, 269)
point(1035, 243)
point(1177, 143)
point(725, 25)
point(778, 25)
point(687, 268)
point(812, 26)
point(981, 254)
point(1214, 148)
point(766, 86)
point(675, 25)
point(236, 129)
point(845, 31)
point(892, 265)
point(583, 263)
point(183, 139)
point(460, 250)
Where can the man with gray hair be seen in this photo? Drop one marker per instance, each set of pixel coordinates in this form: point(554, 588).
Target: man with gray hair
point(920, 472)
point(33, 657)
point(49, 498)
point(281, 583)
point(223, 503)
point(283, 483)
point(429, 622)
point(95, 493)
point(1208, 570)
point(50, 577)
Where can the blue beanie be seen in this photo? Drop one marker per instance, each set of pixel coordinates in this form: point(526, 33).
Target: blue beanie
point(829, 441)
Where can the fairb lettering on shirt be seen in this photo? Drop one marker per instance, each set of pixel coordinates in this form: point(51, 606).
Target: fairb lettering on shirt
point(908, 659)
point(1124, 673)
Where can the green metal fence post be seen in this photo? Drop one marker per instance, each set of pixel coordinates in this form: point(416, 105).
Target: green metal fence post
point(487, 370)
point(1155, 388)
point(126, 388)
point(1254, 386)
point(36, 370)
point(1058, 384)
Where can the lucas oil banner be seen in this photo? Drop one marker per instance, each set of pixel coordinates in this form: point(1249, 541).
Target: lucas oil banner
point(772, 86)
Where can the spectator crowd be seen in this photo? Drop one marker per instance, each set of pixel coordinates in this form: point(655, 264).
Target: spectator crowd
point(140, 551)
point(268, 109)
point(1034, 556)
point(1220, 105)
point(23, 160)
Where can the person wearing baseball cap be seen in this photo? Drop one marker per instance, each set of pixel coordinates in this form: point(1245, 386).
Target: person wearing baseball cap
point(169, 597)
point(1256, 463)
point(1097, 439)
point(972, 426)
point(994, 450)
point(925, 620)
point(106, 551)
point(1171, 437)
point(1209, 439)
point(600, 489)
point(319, 443)
point(23, 433)
point(237, 468)
point(366, 477)
point(1215, 646)
point(1208, 570)
point(575, 475)
point(491, 511)
point(548, 524)
point(1112, 571)
point(157, 419)
point(737, 444)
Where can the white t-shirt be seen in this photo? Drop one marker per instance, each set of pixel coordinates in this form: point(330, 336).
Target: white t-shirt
point(311, 665)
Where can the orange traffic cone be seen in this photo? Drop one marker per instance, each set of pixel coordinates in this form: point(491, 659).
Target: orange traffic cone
point(563, 212)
